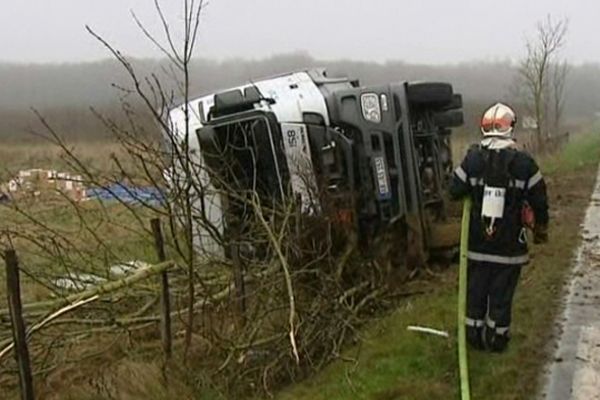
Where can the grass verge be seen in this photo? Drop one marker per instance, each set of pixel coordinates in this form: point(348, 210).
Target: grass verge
point(392, 363)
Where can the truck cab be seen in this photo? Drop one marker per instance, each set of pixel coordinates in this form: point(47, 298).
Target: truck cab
point(370, 157)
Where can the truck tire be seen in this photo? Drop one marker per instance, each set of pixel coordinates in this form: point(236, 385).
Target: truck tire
point(434, 94)
point(449, 119)
point(456, 103)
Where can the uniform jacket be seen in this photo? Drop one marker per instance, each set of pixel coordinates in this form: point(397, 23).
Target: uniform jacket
point(524, 183)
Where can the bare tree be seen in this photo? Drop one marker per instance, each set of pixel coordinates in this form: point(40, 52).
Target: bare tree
point(536, 71)
point(158, 101)
point(560, 71)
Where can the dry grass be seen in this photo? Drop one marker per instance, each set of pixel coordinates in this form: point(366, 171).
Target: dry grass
point(78, 223)
point(15, 155)
point(98, 235)
point(124, 379)
point(105, 360)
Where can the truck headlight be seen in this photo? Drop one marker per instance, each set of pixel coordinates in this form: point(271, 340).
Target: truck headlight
point(370, 107)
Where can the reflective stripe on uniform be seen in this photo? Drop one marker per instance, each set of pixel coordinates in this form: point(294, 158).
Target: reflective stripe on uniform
point(535, 179)
point(461, 174)
point(499, 330)
point(519, 184)
point(475, 323)
point(516, 260)
point(502, 330)
point(476, 181)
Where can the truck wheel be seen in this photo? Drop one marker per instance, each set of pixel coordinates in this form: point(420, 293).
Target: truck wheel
point(456, 103)
point(435, 94)
point(449, 119)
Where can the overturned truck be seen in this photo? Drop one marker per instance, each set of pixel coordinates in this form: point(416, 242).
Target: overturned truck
point(376, 159)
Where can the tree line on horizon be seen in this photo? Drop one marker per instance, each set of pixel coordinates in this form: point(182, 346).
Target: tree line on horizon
point(65, 92)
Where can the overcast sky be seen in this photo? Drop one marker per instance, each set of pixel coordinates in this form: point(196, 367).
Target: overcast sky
point(422, 31)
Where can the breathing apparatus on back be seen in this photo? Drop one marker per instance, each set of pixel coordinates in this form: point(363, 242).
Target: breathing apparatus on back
point(497, 126)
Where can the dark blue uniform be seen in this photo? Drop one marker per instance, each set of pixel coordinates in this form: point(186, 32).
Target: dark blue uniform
point(496, 255)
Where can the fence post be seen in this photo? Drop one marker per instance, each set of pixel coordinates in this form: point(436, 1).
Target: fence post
point(165, 304)
point(13, 286)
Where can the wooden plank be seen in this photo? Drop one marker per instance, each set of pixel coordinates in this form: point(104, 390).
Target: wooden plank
point(13, 286)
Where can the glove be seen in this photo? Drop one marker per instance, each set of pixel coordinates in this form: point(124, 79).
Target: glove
point(540, 234)
point(528, 216)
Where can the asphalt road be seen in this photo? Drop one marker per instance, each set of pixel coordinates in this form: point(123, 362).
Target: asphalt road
point(574, 372)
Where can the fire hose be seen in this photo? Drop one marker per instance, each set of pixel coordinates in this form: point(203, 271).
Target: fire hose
point(463, 362)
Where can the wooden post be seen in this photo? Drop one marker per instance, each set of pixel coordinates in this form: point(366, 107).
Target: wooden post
point(165, 304)
point(18, 324)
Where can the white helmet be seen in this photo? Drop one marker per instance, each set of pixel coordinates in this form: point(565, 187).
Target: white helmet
point(498, 121)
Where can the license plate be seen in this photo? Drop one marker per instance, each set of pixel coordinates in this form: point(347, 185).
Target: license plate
point(383, 186)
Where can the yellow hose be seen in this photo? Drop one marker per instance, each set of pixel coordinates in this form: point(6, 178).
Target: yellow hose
point(463, 362)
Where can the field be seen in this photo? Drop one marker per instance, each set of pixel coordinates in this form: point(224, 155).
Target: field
point(387, 362)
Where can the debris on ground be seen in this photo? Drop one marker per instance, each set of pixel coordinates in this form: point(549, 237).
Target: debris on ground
point(35, 182)
point(124, 193)
point(429, 331)
point(83, 281)
point(39, 182)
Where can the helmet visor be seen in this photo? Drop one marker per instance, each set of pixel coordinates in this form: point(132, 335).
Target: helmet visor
point(497, 125)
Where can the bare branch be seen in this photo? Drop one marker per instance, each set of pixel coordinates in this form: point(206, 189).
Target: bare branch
point(534, 71)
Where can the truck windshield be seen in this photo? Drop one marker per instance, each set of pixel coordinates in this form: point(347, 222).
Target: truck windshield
point(242, 157)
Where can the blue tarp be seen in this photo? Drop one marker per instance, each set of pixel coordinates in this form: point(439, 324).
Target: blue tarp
point(127, 194)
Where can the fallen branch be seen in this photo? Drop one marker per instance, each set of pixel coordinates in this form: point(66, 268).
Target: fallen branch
point(288, 278)
point(100, 290)
point(48, 319)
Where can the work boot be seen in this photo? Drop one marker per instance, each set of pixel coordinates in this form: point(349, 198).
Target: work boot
point(475, 337)
point(494, 341)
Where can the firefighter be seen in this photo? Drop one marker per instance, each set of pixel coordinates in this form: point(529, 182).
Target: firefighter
point(508, 193)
